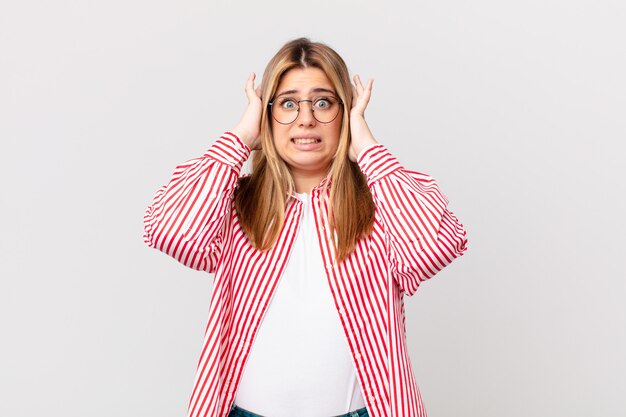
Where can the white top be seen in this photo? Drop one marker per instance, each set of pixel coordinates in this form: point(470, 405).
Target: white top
point(300, 362)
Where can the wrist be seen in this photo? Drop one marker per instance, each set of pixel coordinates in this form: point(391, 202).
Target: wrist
point(364, 150)
point(364, 144)
point(242, 135)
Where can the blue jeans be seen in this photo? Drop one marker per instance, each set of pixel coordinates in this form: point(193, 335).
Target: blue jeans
point(240, 412)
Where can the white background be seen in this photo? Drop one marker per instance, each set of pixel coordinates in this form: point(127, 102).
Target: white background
point(516, 108)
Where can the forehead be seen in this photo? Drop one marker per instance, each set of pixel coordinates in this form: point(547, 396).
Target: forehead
point(304, 80)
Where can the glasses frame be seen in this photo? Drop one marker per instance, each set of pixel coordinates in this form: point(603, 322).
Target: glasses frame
point(339, 103)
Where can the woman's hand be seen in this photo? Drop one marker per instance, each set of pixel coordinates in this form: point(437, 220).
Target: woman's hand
point(360, 132)
point(249, 127)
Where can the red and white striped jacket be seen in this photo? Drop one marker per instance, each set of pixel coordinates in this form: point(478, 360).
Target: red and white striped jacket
point(193, 219)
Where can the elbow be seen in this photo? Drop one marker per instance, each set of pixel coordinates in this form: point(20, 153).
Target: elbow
point(147, 238)
point(411, 268)
point(463, 245)
point(150, 228)
point(452, 237)
point(456, 245)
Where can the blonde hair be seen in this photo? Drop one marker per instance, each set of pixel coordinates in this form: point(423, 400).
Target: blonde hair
point(260, 199)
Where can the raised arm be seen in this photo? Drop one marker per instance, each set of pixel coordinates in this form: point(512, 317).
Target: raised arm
point(186, 219)
point(424, 236)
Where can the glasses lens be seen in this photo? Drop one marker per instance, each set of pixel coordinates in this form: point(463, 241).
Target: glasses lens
point(285, 109)
point(325, 109)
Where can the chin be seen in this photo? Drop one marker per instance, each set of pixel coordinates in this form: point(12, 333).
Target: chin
point(308, 164)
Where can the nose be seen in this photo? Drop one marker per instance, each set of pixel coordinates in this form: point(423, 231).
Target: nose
point(305, 116)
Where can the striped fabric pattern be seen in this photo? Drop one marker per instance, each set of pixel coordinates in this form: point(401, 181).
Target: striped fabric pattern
point(193, 219)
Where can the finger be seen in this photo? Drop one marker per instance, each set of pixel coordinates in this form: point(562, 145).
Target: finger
point(357, 83)
point(364, 96)
point(250, 92)
point(368, 89)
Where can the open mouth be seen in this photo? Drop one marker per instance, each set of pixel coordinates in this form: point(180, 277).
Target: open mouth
point(305, 141)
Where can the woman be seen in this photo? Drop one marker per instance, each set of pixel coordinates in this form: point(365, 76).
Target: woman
point(312, 253)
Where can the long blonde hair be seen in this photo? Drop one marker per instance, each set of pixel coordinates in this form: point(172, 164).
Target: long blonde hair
point(260, 199)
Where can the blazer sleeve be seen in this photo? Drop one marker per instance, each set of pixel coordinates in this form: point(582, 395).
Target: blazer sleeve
point(424, 236)
point(186, 217)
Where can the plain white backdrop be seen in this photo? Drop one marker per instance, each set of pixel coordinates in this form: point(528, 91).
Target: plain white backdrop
point(516, 108)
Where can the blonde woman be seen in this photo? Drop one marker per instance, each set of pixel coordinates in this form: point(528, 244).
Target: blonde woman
point(312, 252)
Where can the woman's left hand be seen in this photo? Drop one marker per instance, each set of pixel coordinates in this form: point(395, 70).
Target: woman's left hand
point(359, 131)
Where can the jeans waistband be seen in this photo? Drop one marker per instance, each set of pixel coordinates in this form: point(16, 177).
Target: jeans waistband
point(240, 412)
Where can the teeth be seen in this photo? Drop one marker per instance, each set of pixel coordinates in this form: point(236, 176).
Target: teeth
point(304, 141)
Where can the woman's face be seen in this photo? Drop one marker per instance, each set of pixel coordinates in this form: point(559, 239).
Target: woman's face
point(306, 157)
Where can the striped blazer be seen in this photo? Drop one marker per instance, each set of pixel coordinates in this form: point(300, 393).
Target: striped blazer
point(193, 219)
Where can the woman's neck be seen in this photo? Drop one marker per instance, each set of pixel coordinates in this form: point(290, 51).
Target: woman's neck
point(304, 183)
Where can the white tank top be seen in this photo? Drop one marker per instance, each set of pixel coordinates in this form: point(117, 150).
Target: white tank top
point(300, 362)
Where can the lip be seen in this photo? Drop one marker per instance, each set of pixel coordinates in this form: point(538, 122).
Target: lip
point(307, 146)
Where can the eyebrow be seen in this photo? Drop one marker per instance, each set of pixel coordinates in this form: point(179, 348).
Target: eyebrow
point(314, 90)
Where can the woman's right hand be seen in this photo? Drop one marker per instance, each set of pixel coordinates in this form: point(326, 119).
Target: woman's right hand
point(249, 127)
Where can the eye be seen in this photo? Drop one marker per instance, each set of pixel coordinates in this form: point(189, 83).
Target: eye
point(288, 104)
point(323, 103)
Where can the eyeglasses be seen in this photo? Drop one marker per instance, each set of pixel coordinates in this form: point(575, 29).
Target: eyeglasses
point(285, 110)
